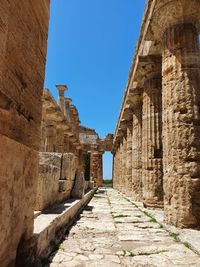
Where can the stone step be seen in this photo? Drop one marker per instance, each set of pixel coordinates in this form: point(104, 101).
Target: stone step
point(50, 225)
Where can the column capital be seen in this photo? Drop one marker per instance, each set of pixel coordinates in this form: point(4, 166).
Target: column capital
point(68, 100)
point(61, 89)
point(148, 67)
point(164, 14)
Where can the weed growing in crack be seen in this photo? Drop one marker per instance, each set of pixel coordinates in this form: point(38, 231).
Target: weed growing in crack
point(55, 244)
point(174, 236)
point(61, 248)
point(187, 245)
point(152, 220)
point(120, 216)
point(127, 253)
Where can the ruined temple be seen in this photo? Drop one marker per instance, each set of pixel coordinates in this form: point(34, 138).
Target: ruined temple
point(51, 165)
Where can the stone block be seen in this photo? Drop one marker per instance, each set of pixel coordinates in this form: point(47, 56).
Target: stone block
point(79, 185)
point(48, 181)
point(18, 181)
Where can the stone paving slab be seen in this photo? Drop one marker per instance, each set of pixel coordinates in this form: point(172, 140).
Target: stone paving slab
point(112, 231)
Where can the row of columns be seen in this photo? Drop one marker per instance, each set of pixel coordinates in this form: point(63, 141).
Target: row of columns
point(157, 154)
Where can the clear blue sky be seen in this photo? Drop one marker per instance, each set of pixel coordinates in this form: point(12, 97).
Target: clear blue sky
point(90, 48)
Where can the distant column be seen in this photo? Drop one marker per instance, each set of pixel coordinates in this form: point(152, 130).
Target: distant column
point(129, 159)
point(61, 96)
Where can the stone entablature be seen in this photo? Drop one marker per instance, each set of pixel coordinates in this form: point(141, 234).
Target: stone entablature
point(162, 102)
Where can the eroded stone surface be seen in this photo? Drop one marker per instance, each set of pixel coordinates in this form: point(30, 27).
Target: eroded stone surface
point(113, 234)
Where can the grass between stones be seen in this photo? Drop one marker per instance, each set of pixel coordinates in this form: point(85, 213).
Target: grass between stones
point(175, 236)
point(120, 216)
point(127, 253)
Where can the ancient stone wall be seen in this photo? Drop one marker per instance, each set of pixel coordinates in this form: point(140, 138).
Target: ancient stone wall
point(56, 178)
point(61, 157)
point(165, 117)
point(23, 42)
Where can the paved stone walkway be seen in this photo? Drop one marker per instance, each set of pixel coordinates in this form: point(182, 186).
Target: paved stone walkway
point(113, 232)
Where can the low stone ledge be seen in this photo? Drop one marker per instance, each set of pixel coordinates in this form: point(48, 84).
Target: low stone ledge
point(51, 225)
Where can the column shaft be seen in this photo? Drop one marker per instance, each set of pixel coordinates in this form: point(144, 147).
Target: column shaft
point(181, 125)
point(136, 154)
point(129, 159)
point(152, 173)
point(124, 184)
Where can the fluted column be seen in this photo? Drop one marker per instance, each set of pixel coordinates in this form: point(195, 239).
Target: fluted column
point(61, 96)
point(120, 183)
point(136, 153)
point(152, 169)
point(181, 125)
point(100, 169)
point(59, 139)
point(129, 159)
point(116, 168)
point(94, 164)
point(123, 155)
point(67, 102)
point(50, 140)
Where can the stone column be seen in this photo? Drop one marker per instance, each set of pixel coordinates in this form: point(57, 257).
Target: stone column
point(50, 142)
point(129, 159)
point(137, 151)
point(181, 124)
point(120, 182)
point(152, 169)
point(123, 155)
point(59, 140)
point(61, 96)
point(66, 143)
point(94, 164)
point(114, 168)
point(100, 169)
point(67, 109)
point(116, 163)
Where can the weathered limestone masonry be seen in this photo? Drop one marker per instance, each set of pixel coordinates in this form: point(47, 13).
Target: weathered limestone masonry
point(95, 146)
point(23, 42)
point(64, 148)
point(165, 137)
point(60, 161)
